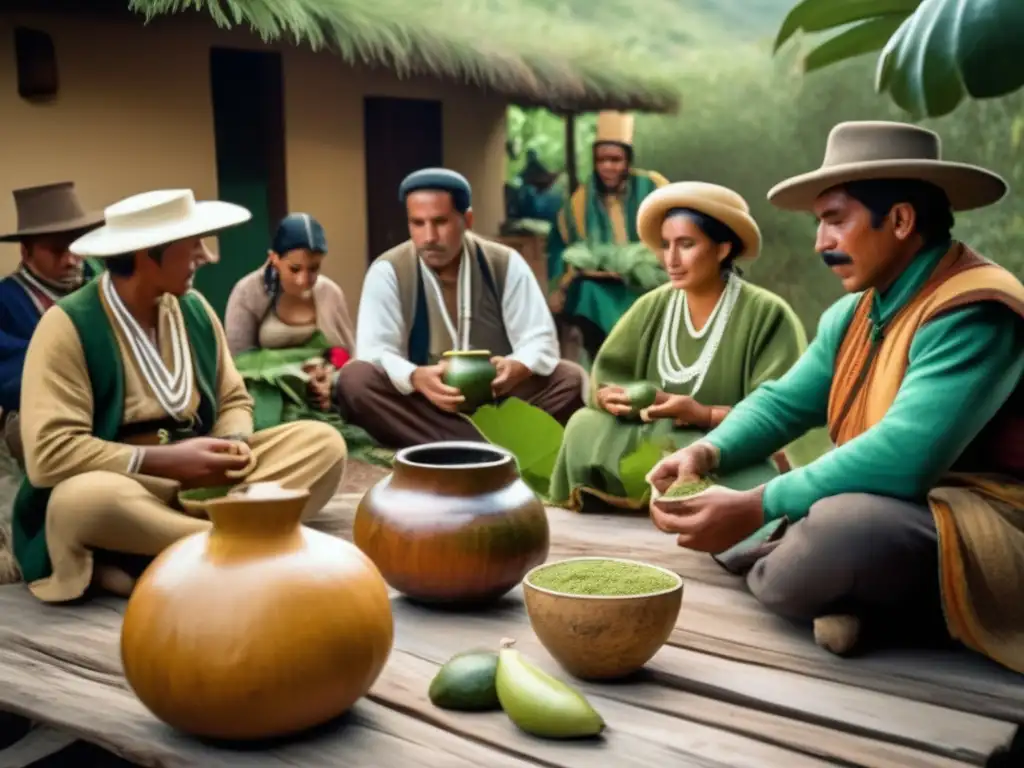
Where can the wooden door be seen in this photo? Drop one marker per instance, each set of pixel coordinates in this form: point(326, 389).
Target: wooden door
point(402, 136)
point(248, 123)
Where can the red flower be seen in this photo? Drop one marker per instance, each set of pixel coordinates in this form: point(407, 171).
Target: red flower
point(337, 356)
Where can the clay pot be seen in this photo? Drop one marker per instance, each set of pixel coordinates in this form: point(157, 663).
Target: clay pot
point(471, 372)
point(453, 523)
point(602, 638)
point(261, 627)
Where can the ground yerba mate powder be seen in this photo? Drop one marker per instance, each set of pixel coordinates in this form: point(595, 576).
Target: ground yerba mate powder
point(688, 488)
point(602, 577)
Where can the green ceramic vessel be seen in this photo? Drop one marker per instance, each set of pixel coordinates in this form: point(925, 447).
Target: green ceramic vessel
point(471, 372)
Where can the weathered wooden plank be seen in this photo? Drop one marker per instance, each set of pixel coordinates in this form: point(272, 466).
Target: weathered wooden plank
point(68, 675)
point(883, 717)
point(730, 623)
point(634, 736)
point(721, 618)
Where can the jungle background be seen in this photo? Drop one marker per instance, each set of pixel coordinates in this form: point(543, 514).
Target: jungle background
point(750, 119)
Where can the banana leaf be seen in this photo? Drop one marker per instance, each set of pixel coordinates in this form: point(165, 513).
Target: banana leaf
point(277, 384)
point(528, 433)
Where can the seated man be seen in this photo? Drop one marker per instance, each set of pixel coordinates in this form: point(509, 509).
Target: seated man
point(130, 395)
point(50, 217)
point(447, 288)
point(913, 523)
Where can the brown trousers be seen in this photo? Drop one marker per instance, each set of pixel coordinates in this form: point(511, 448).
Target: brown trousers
point(869, 556)
point(368, 399)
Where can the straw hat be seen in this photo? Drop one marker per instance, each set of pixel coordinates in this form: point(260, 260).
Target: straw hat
point(858, 151)
point(711, 199)
point(50, 209)
point(157, 218)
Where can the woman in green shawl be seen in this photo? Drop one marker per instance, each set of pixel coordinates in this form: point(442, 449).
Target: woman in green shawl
point(702, 343)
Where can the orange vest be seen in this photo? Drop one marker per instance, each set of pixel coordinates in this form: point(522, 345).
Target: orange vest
point(868, 372)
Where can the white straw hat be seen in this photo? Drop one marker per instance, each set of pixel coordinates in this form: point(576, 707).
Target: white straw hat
point(157, 218)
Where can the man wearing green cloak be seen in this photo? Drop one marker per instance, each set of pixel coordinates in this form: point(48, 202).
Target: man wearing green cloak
point(600, 216)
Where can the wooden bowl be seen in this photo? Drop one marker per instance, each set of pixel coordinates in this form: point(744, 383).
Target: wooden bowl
point(596, 637)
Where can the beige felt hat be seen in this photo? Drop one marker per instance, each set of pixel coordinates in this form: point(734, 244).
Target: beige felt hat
point(714, 200)
point(50, 209)
point(157, 218)
point(858, 151)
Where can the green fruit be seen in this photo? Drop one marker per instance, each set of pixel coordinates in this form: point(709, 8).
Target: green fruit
point(641, 395)
point(471, 372)
point(540, 704)
point(466, 682)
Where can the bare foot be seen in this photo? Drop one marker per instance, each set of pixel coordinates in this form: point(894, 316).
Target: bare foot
point(838, 634)
point(114, 580)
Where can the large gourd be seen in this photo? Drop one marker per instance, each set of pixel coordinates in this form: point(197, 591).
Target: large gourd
point(453, 523)
point(260, 628)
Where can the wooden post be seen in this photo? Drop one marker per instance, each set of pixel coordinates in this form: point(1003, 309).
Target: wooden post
point(570, 151)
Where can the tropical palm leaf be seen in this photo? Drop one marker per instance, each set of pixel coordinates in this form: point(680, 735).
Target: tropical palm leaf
point(934, 53)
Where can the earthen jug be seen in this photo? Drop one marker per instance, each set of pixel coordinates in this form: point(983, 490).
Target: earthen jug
point(453, 523)
point(259, 628)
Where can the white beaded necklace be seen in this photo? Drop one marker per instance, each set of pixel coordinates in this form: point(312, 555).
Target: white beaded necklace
point(670, 366)
point(172, 388)
point(459, 334)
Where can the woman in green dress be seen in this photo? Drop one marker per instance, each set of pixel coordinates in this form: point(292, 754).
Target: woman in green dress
point(704, 341)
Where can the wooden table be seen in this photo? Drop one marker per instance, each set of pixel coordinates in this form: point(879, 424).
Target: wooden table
point(735, 687)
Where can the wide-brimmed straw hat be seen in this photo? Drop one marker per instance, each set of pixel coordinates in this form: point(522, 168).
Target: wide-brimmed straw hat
point(50, 209)
point(152, 219)
point(713, 200)
point(863, 150)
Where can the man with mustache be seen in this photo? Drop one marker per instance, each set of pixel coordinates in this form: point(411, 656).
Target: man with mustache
point(448, 288)
point(601, 212)
point(912, 527)
point(50, 218)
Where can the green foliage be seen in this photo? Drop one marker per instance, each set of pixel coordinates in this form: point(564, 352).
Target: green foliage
point(497, 44)
point(633, 468)
point(934, 53)
point(528, 433)
point(748, 124)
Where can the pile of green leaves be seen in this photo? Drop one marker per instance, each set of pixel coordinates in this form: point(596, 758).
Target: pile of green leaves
point(638, 266)
point(277, 384)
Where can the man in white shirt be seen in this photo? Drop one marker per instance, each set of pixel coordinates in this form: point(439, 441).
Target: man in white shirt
point(447, 288)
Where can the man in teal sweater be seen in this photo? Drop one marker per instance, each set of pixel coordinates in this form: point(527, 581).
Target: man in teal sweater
point(916, 373)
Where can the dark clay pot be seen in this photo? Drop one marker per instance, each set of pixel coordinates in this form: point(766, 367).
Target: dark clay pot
point(453, 523)
point(471, 372)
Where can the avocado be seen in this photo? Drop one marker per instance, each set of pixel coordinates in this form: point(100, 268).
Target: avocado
point(467, 682)
point(641, 395)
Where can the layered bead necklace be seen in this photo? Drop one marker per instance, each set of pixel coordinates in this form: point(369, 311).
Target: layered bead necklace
point(459, 334)
point(670, 366)
point(173, 388)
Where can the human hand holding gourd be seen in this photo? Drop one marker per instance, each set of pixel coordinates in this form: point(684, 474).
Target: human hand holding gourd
point(682, 409)
point(428, 381)
point(614, 400)
point(511, 373)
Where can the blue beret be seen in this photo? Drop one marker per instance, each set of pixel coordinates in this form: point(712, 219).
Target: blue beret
point(440, 179)
point(299, 230)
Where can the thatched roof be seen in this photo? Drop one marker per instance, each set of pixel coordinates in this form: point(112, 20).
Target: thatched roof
point(513, 48)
